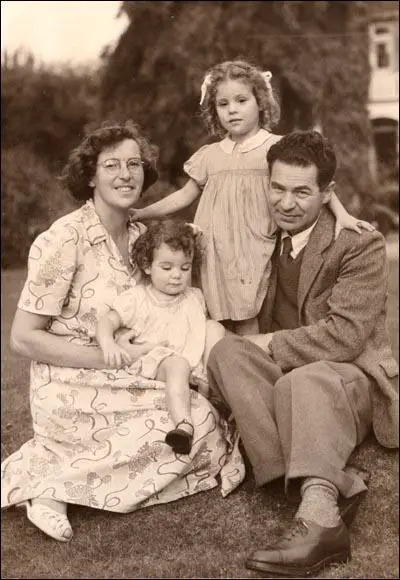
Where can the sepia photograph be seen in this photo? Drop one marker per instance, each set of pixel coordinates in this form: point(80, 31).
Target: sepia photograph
point(199, 289)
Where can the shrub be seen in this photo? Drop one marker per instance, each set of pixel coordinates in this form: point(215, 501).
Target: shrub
point(32, 198)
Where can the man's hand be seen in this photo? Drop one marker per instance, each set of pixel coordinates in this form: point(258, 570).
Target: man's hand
point(261, 340)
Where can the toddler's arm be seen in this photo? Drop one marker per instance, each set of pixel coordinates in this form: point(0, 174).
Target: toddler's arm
point(114, 355)
point(344, 220)
point(172, 203)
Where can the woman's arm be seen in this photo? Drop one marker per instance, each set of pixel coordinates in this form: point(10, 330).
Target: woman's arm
point(114, 355)
point(344, 220)
point(172, 203)
point(30, 338)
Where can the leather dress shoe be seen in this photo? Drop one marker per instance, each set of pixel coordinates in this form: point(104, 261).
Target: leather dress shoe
point(303, 550)
point(348, 507)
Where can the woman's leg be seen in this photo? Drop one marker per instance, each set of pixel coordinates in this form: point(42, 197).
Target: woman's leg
point(58, 506)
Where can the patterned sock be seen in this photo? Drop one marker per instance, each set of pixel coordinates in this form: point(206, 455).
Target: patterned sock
point(319, 502)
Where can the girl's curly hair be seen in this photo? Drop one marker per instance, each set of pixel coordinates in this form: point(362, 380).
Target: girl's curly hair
point(176, 234)
point(249, 74)
point(82, 163)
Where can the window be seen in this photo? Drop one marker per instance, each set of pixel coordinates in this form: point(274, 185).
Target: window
point(382, 46)
point(382, 55)
point(385, 133)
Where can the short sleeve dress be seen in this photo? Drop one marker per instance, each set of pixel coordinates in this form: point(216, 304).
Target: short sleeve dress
point(181, 322)
point(235, 217)
point(99, 435)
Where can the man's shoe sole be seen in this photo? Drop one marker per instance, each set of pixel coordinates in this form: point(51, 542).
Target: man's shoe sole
point(298, 572)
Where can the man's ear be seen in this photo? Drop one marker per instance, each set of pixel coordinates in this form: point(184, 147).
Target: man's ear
point(328, 191)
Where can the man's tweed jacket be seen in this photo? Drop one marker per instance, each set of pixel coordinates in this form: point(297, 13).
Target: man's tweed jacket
point(342, 297)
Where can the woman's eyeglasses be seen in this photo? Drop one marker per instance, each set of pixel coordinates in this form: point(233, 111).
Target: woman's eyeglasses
point(113, 166)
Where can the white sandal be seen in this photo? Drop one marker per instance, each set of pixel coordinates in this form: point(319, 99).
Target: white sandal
point(49, 521)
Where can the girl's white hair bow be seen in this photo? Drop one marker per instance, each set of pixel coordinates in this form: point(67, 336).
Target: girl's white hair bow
point(267, 76)
point(206, 83)
point(195, 228)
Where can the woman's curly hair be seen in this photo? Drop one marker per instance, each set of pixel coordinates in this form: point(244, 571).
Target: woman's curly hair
point(82, 163)
point(176, 234)
point(249, 74)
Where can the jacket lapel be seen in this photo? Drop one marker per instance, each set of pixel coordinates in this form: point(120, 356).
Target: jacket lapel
point(321, 237)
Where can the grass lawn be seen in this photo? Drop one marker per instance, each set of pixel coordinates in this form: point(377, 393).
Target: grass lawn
point(203, 536)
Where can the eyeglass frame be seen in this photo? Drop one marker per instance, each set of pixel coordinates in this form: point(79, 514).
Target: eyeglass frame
point(118, 162)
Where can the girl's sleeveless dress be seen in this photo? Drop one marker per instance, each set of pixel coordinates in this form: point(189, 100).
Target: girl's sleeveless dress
point(235, 218)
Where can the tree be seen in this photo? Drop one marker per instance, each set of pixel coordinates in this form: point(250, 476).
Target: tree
point(46, 109)
point(317, 52)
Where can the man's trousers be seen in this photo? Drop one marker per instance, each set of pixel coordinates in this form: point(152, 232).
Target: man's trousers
point(304, 423)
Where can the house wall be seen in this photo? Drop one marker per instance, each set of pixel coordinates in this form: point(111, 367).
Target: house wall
point(383, 105)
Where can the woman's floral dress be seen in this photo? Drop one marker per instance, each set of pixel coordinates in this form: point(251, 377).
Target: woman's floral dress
point(99, 434)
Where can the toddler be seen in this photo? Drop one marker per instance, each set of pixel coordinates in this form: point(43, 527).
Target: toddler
point(168, 312)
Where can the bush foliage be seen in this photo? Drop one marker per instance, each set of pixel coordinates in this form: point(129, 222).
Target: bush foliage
point(31, 200)
point(44, 113)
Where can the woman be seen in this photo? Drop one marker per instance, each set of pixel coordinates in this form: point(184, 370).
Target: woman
point(99, 432)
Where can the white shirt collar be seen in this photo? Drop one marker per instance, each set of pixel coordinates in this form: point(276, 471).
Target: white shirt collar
point(300, 240)
point(252, 142)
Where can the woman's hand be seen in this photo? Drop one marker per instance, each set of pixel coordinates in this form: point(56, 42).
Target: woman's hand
point(135, 349)
point(349, 222)
point(115, 356)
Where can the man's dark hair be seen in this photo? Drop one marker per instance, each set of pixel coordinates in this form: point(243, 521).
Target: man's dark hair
point(305, 148)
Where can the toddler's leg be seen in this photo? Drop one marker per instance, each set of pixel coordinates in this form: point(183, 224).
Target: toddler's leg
point(249, 326)
point(174, 371)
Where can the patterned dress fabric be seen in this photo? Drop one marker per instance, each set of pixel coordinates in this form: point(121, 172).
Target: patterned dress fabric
point(234, 215)
point(99, 434)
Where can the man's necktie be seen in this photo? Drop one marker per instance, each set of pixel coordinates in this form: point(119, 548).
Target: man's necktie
point(287, 248)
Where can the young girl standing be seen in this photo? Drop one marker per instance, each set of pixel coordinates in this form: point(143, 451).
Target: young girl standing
point(238, 104)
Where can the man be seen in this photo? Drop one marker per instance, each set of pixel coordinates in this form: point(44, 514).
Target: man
point(307, 390)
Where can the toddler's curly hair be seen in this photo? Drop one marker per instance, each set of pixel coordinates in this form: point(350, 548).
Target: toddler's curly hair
point(241, 71)
point(176, 234)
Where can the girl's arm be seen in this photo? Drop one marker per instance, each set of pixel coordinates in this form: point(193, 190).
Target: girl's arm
point(344, 220)
point(30, 338)
point(114, 355)
point(172, 203)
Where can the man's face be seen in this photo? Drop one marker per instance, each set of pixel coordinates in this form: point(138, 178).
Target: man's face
point(295, 197)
